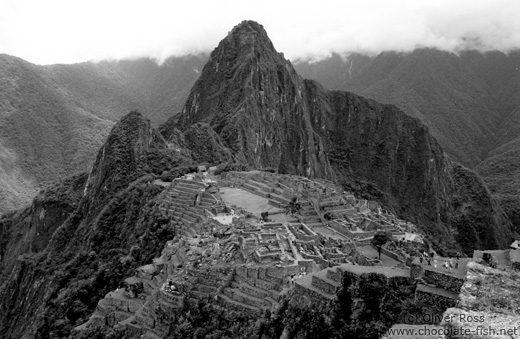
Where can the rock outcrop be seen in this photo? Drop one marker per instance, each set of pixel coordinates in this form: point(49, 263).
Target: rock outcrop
point(488, 307)
point(119, 158)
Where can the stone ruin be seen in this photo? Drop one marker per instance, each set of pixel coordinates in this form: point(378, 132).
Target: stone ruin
point(247, 265)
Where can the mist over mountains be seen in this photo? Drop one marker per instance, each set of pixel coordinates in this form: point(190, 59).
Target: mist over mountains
point(247, 107)
point(469, 101)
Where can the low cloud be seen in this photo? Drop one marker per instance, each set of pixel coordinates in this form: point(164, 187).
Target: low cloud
point(60, 31)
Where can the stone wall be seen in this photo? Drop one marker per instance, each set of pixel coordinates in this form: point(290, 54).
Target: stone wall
point(359, 258)
point(237, 307)
point(267, 255)
point(338, 227)
point(316, 258)
point(323, 285)
point(299, 289)
point(447, 282)
point(169, 297)
point(390, 254)
point(255, 292)
point(431, 299)
point(393, 279)
point(260, 283)
point(303, 232)
point(416, 271)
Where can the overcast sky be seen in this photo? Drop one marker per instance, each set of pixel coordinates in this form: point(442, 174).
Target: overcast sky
point(67, 31)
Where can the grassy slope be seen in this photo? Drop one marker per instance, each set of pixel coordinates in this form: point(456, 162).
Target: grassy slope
point(54, 118)
point(44, 135)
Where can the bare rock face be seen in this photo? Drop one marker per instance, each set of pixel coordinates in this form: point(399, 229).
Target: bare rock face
point(29, 230)
point(201, 143)
point(269, 117)
point(252, 97)
point(488, 306)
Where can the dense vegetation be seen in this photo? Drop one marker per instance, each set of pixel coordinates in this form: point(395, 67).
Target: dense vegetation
point(469, 102)
point(54, 118)
point(114, 228)
point(384, 302)
point(130, 232)
point(466, 100)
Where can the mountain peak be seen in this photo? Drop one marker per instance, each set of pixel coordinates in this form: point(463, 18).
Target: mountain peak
point(248, 27)
point(248, 36)
point(237, 77)
point(249, 33)
point(118, 160)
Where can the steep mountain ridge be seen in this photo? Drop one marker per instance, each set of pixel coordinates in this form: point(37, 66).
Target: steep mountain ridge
point(42, 136)
point(261, 94)
point(111, 213)
point(269, 117)
point(466, 100)
point(469, 101)
point(368, 147)
point(53, 119)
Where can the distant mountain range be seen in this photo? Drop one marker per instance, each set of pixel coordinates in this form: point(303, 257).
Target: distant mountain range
point(53, 119)
point(249, 109)
point(470, 102)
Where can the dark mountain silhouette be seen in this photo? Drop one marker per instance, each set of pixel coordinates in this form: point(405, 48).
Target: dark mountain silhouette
point(249, 107)
point(54, 118)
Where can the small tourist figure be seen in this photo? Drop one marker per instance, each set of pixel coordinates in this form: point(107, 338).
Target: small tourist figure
point(457, 263)
point(421, 259)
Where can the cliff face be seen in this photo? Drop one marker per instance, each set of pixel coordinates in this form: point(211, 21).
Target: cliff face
point(119, 159)
point(269, 117)
point(94, 231)
point(254, 100)
point(468, 101)
point(30, 230)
